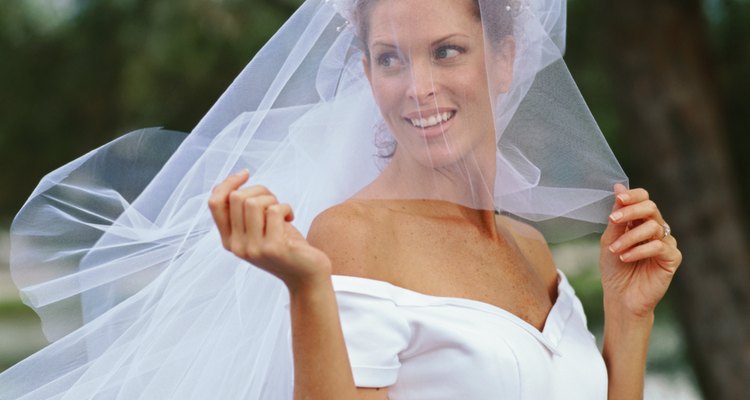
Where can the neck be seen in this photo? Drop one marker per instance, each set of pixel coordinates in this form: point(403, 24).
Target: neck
point(469, 182)
point(483, 219)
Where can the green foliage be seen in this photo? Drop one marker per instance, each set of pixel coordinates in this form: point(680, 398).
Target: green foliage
point(13, 311)
point(586, 62)
point(76, 78)
point(731, 39)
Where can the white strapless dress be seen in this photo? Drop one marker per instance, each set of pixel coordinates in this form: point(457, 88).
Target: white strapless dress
point(438, 348)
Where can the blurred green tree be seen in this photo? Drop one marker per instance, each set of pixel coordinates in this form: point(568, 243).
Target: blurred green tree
point(674, 91)
point(79, 76)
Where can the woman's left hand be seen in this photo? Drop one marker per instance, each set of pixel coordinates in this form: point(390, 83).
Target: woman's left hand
point(638, 256)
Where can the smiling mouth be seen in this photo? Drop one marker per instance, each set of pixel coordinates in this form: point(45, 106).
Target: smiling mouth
point(434, 120)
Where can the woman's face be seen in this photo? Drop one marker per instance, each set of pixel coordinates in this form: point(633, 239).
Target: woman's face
point(428, 73)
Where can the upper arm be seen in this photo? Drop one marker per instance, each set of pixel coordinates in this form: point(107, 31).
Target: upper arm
point(372, 393)
point(342, 233)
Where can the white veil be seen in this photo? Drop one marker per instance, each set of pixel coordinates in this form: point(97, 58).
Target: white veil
point(118, 254)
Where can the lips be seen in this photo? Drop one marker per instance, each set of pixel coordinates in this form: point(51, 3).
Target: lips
point(427, 122)
point(431, 123)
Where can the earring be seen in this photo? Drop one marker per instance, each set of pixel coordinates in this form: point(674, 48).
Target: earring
point(384, 142)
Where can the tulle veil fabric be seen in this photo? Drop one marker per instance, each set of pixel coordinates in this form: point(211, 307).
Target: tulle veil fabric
point(118, 254)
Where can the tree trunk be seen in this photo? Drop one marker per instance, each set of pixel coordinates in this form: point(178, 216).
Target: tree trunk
point(667, 90)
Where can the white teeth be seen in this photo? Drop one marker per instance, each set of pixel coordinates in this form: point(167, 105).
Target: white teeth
point(433, 120)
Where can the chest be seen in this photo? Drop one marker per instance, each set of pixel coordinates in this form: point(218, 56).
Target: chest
point(454, 261)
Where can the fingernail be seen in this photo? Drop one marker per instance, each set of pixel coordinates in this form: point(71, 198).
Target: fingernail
point(615, 246)
point(624, 198)
point(625, 257)
point(242, 172)
point(616, 216)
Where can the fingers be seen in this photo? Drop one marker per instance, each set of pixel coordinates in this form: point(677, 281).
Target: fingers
point(239, 228)
point(632, 196)
point(635, 209)
point(276, 216)
point(620, 188)
point(642, 233)
point(218, 202)
point(666, 255)
point(636, 206)
point(254, 214)
point(614, 230)
point(642, 210)
point(634, 219)
point(636, 230)
point(250, 220)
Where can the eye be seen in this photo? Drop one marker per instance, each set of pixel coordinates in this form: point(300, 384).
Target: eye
point(388, 59)
point(448, 51)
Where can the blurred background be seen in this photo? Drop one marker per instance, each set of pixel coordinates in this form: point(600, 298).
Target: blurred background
point(667, 80)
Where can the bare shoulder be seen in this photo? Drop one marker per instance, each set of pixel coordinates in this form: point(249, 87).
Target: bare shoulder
point(533, 245)
point(347, 234)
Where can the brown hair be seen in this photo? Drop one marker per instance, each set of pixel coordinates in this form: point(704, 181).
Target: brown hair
point(498, 21)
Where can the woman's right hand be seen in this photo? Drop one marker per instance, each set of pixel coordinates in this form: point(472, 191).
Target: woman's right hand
point(255, 227)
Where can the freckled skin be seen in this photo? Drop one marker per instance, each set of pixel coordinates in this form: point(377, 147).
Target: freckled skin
point(442, 249)
point(437, 247)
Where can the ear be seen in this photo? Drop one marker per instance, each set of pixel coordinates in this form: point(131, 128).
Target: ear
point(504, 55)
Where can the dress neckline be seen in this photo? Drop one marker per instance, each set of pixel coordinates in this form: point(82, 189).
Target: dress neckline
point(550, 335)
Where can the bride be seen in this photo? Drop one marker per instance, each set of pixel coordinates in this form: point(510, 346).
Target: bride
point(403, 166)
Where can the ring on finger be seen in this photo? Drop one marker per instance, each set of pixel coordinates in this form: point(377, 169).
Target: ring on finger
point(667, 230)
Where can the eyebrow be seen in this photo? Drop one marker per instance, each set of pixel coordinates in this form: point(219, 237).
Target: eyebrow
point(443, 39)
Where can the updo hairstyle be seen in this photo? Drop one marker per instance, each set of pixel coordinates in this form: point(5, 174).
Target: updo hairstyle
point(496, 16)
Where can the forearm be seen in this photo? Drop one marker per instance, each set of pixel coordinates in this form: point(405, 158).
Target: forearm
point(625, 349)
point(321, 362)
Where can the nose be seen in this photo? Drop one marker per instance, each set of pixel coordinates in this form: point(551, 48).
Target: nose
point(422, 87)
